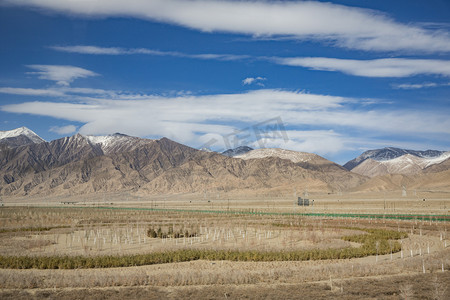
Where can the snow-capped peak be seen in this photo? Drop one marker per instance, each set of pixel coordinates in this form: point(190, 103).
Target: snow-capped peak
point(389, 153)
point(405, 164)
point(117, 141)
point(101, 139)
point(24, 131)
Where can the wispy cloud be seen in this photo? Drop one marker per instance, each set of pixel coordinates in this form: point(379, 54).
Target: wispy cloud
point(415, 86)
point(60, 92)
point(62, 130)
point(63, 75)
point(31, 92)
point(387, 67)
point(343, 26)
point(82, 49)
point(193, 119)
point(83, 94)
point(254, 80)
point(95, 50)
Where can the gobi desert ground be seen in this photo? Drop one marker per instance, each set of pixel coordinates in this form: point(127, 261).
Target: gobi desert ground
point(116, 246)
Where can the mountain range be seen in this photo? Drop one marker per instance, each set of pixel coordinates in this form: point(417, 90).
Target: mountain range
point(385, 161)
point(390, 153)
point(117, 163)
point(389, 168)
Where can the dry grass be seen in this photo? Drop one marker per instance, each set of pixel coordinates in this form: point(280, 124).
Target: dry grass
point(119, 232)
point(92, 232)
point(387, 287)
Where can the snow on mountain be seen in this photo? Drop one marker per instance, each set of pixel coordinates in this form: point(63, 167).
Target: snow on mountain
point(293, 156)
point(407, 164)
point(21, 131)
point(389, 153)
point(117, 142)
point(435, 160)
point(237, 151)
point(19, 137)
point(104, 140)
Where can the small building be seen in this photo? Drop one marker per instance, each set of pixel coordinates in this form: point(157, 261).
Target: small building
point(302, 202)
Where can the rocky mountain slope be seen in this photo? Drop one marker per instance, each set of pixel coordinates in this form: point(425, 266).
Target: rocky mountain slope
point(117, 142)
point(435, 181)
point(306, 160)
point(86, 164)
point(237, 151)
point(119, 163)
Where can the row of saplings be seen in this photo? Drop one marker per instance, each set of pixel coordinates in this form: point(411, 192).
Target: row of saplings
point(169, 232)
point(375, 241)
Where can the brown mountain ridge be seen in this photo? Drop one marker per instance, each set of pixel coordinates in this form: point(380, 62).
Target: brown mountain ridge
point(78, 165)
point(119, 163)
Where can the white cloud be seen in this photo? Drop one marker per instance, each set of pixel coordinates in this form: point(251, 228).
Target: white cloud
point(387, 67)
point(63, 129)
point(332, 121)
point(81, 49)
point(63, 75)
point(90, 91)
point(341, 25)
point(254, 80)
point(414, 86)
point(321, 142)
point(70, 92)
point(248, 80)
point(409, 86)
point(95, 50)
point(86, 94)
point(31, 92)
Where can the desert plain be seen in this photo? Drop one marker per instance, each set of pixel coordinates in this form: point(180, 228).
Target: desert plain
point(215, 246)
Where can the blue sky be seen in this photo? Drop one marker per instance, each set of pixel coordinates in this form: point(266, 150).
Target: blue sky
point(335, 78)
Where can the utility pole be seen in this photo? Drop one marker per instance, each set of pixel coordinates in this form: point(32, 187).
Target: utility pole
point(295, 199)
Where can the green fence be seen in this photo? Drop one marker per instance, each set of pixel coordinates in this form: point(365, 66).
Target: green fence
point(418, 217)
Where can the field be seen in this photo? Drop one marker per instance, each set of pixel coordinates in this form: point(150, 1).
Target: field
point(378, 246)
